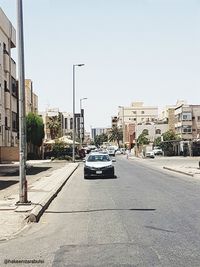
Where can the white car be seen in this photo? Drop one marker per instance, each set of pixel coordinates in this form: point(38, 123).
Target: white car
point(157, 151)
point(111, 151)
point(99, 164)
point(150, 154)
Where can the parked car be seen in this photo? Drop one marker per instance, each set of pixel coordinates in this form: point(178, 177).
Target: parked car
point(99, 164)
point(149, 154)
point(118, 152)
point(157, 151)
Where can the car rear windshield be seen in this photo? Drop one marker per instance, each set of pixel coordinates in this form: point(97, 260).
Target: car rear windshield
point(98, 158)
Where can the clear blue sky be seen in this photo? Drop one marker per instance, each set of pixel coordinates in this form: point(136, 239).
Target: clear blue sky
point(146, 50)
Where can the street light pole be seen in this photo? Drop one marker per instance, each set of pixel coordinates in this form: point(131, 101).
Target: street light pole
point(81, 121)
point(123, 124)
point(74, 66)
point(22, 119)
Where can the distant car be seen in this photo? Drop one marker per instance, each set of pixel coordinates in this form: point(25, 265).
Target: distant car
point(111, 151)
point(99, 164)
point(118, 152)
point(149, 154)
point(157, 151)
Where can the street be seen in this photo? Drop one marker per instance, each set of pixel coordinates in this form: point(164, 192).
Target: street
point(145, 217)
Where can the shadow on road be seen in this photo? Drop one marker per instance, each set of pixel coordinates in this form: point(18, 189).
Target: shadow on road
point(30, 171)
point(5, 184)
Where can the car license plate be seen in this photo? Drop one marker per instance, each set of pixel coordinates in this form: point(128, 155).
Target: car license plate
point(98, 172)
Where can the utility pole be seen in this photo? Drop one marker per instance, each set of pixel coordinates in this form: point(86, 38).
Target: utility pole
point(22, 119)
point(81, 121)
point(73, 104)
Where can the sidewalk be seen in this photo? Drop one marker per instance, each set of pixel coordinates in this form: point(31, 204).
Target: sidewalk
point(14, 219)
point(183, 165)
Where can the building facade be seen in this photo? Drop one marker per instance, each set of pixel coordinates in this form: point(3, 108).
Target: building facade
point(137, 113)
point(8, 88)
point(99, 131)
point(31, 99)
point(187, 122)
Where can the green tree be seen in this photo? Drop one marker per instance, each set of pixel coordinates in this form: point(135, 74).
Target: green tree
point(34, 132)
point(142, 139)
point(116, 134)
point(157, 141)
point(167, 144)
point(99, 139)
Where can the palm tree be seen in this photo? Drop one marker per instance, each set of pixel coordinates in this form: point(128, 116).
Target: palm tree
point(54, 126)
point(116, 135)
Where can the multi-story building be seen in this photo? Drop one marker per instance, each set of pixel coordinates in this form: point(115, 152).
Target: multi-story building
point(31, 99)
point(67, 123)
point(8, 92)
point(136, 113)
point(99, 131)
point(187, 124)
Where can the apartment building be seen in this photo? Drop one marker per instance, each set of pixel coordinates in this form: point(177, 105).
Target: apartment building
point(8, 92)
point(67, 123)
point(187, 122)
point(136, 113)
point(31, 99)
point(99, 131)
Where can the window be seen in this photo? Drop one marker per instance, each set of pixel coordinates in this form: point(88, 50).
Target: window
point(186, 116)
point(158, 131)
point(71, 123)
point(14, 87)
point(198, 118)
point(145, 131)
point(5, 49)
point(6, 121)
point(5, 86)
point(134, 112)
point(186, 129)
point(65, 123)
point(14, 121)
point(142, 112)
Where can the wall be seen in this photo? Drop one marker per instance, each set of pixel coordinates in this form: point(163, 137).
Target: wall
point(8, 154)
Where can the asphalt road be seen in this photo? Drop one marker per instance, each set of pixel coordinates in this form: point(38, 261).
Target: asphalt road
point(142, 218)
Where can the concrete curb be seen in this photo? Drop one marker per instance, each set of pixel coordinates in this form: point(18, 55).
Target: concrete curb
point(36, 213)
point(175, 170)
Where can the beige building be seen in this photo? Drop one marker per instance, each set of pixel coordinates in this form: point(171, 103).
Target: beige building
point(8, 91)
point(31, 99)
point(136, 113)
point(153, 130)
point(187, 122)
